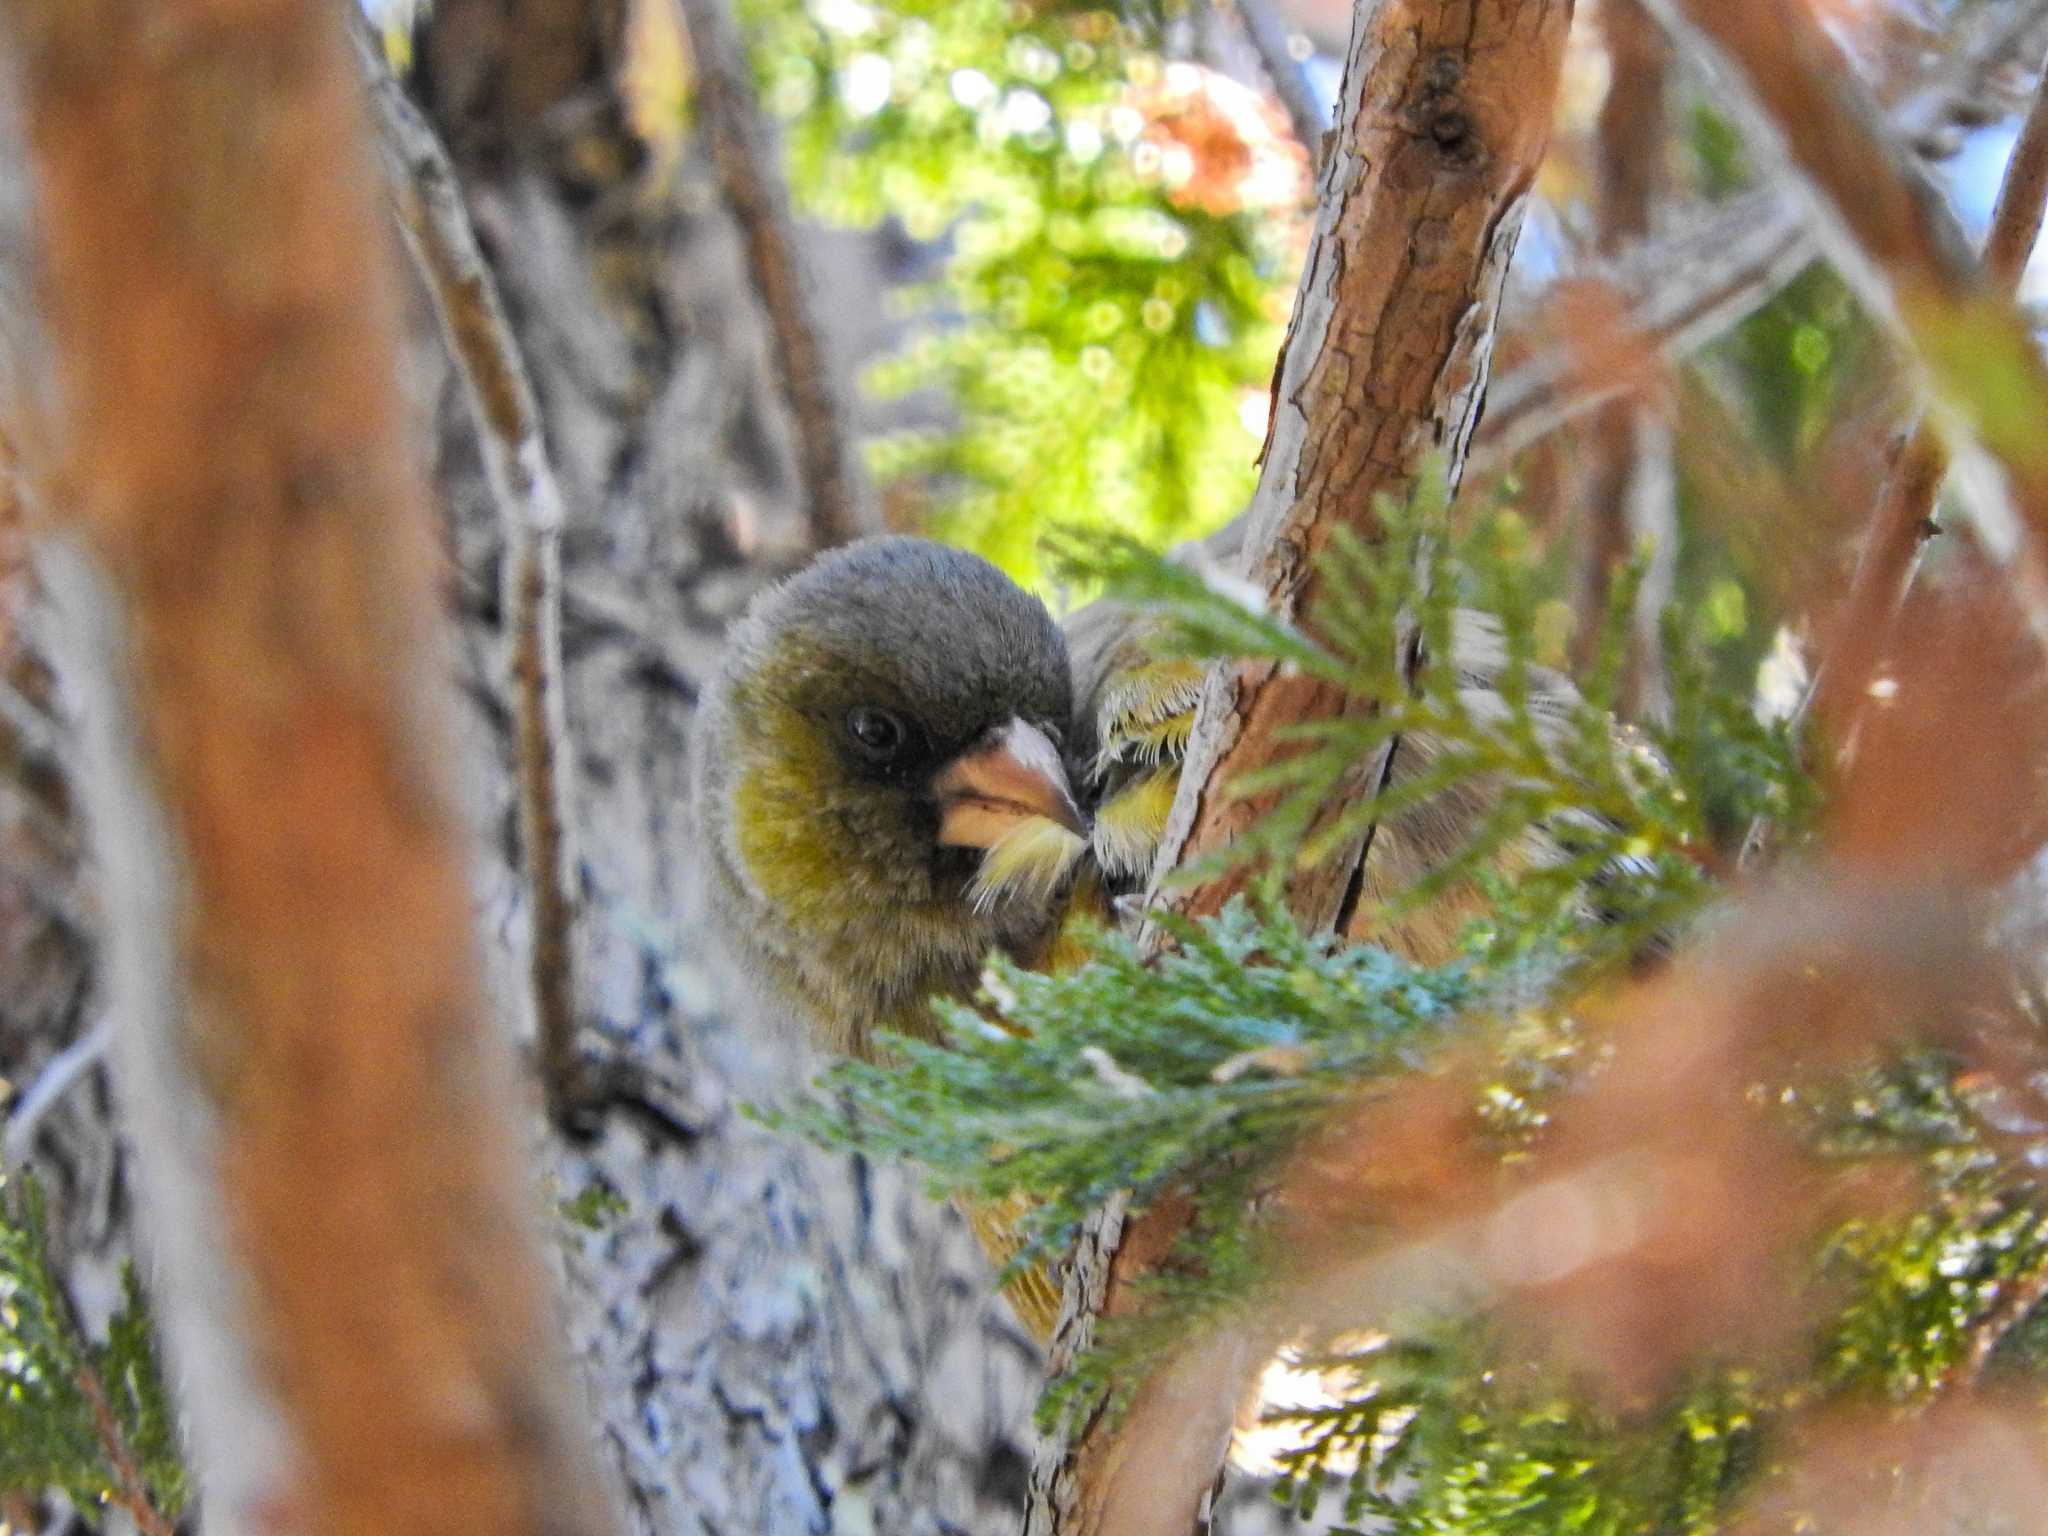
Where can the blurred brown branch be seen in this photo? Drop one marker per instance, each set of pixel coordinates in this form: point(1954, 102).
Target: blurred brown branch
point(1839, 692)
point(750, 174)
point(1666, 1212)
point(1631, 482)
point(1890, 233)
point(345, 1267)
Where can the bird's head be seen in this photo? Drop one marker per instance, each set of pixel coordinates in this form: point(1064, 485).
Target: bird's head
point(894, 723)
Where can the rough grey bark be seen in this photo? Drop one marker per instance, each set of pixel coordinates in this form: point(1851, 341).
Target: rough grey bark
point(782, 1341)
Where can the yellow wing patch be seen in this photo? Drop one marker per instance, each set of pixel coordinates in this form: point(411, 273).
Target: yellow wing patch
point(1147, 712)
point(1033, 1294)
point(1146, 716)
point(1130, 823)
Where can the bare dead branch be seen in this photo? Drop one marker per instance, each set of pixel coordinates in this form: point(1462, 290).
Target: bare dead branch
point(1965, 83)
point(60, 1074)
point(517, 467)
point(1272, 39)
point(749, 173)
point(346, 1271)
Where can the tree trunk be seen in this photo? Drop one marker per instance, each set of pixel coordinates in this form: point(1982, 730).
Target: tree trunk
point(1442, 121)
point(780, 1340)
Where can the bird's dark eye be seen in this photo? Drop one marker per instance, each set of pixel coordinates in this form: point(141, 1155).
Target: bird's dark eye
point(878, 734)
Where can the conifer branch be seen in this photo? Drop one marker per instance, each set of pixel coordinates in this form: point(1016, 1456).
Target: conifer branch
point(59, 1425)
point(131, 1489)
point(748, 161)
point(2025, 1293)
point(521, 475)
point(1442, 122)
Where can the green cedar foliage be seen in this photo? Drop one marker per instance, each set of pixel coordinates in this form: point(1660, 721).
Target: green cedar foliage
point(1199, 1069)
point(1924, 1282)
point(55, 1383)
point(1435, 1432)
point(1104, 324)
point(1642, 817)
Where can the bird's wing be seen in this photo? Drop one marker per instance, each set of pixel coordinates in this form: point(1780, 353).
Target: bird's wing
point(1136, 705)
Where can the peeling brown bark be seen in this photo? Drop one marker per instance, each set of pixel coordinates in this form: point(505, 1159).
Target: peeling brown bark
point(1446, 113)
point(345, 1261)
point(1443, 119)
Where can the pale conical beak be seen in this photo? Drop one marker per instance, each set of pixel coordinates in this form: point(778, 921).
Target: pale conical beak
point(1012, 774)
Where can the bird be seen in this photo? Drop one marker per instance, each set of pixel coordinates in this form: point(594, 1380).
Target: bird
point(905, 764)
point(883, 787)
point(882, 795)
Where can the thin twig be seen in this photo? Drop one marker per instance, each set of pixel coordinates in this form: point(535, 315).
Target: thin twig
point(744, 152)
point(522, 480)
point(131, 1488)
point(1273, 41)
point(60, 1074)
point(2022, 1296)
point(1687, 289)
point(1839, 692)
